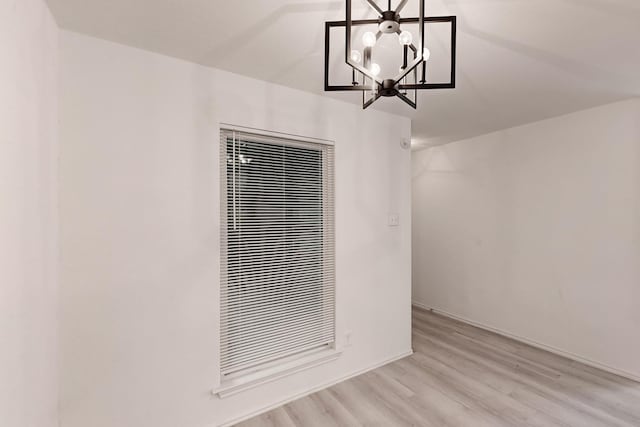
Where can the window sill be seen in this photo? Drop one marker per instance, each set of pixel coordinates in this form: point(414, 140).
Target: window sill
point(247, 381)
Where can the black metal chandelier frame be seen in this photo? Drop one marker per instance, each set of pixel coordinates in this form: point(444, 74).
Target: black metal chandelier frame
point(391, 22)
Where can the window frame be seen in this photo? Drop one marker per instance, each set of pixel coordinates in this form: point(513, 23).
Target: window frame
point(236, 382)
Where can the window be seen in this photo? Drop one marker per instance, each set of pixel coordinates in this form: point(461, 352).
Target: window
point(277, 266)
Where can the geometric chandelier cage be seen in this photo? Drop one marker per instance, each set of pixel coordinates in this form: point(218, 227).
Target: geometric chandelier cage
point(414, 53)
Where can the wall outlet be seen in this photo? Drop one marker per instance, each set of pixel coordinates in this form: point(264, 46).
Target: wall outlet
point(394, 220)
point(347, 339)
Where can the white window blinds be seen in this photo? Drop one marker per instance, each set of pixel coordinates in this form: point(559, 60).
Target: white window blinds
point(278, 280)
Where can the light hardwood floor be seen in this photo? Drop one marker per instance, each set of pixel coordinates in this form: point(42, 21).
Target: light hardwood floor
point(460, 375)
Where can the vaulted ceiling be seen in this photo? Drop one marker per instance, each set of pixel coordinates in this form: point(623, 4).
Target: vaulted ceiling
point(519, 61)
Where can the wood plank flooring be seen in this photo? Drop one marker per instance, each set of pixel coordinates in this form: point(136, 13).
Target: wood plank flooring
point(460, 375)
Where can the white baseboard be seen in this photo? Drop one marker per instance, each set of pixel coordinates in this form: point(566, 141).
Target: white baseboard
point(315, 389)
point(532, 343)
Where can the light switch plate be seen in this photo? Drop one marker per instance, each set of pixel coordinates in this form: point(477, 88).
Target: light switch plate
point(394, 220)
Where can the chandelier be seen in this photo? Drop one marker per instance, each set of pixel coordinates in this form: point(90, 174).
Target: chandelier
point(363, 60)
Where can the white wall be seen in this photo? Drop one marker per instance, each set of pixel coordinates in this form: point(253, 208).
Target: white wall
point(28, 218)
point(535, 231)
point(140, 234)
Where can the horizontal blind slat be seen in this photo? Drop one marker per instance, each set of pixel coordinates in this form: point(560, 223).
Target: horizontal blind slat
point(260, 338)
point(271, 357)
point(242, 319)
point(275, 348)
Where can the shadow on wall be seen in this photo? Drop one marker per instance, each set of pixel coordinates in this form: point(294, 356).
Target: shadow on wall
point(432, 160)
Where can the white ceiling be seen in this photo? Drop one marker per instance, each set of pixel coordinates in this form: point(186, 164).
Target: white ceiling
point(519, 61)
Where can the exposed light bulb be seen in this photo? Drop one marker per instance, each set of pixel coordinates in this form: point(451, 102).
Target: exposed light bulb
point(369, 39)
point(426, 54)
point(375, 69)
point(405, 38)
point(356, 56)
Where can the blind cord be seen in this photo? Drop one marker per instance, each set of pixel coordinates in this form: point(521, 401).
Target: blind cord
point(235, 196)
